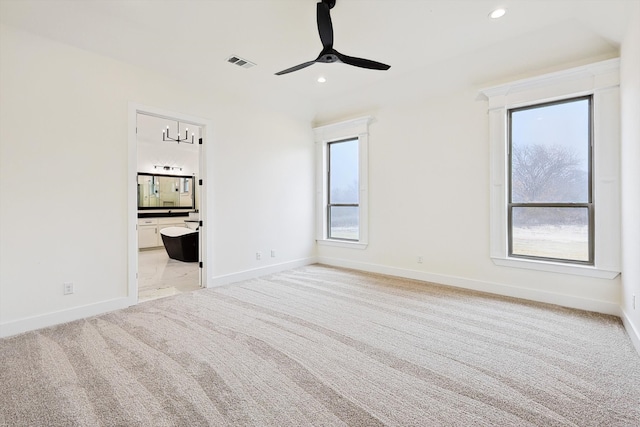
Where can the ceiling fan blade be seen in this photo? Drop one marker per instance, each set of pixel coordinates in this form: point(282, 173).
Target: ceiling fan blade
point(329, 55)
point(296, 68)
point(325, 28)
point(362, 63)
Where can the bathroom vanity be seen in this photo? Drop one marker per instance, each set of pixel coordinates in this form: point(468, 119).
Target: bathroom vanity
point(164, 201)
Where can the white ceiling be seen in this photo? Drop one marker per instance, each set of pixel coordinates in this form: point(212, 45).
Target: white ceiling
point(432, 46)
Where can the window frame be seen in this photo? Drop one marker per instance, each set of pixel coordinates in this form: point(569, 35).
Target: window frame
point(601, 80)
point(589, 205)
point(328, 195)
point(336, 132)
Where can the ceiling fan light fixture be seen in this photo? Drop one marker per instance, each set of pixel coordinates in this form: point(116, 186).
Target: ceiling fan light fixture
point(498, 13)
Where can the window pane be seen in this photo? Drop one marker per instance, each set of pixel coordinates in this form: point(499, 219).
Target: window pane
point(550, 153)
point(344, 222)
point(343, 172)
point(561, 233)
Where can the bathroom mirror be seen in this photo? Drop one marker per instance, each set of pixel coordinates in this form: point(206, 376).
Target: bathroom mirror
point(165, 191)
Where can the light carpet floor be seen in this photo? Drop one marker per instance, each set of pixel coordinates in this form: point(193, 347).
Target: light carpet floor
point(325, 346)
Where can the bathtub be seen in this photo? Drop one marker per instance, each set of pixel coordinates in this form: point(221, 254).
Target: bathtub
point(181, 243)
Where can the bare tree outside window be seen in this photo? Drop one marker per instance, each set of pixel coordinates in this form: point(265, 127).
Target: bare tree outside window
point(549, 174)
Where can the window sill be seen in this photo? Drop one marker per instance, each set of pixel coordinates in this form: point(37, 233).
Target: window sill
point(342, 244)
point(578, 270)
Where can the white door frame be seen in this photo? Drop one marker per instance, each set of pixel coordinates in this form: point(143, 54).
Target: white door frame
point(132, 196)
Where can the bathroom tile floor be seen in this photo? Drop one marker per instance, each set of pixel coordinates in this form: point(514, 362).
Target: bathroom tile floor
point(160, 276)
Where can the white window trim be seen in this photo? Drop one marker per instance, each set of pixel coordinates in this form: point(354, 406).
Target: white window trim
point(601, 80)
point(356, 128)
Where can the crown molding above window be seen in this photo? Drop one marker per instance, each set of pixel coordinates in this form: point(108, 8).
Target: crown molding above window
point(549, 87)
point(340, 130)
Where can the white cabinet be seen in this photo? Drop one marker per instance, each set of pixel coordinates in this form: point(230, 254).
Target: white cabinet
point(149, 230)
point(147, 236)
point(148, 233)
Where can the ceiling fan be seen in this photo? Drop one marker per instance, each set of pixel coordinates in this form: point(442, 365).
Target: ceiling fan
point(329, 54)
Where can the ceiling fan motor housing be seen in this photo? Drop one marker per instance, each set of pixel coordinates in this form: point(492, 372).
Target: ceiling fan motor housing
point(330, 3)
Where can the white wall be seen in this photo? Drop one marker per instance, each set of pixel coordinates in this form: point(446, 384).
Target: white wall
point(63, 179)
point(630, 100)
point(429, 197)
point(263, 191)
point(64, 136)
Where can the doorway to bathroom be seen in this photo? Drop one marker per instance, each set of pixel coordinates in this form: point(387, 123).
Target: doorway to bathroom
point(169, 205)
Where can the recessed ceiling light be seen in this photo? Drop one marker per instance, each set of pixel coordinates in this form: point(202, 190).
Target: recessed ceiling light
point(321, 80)
point(498, 13)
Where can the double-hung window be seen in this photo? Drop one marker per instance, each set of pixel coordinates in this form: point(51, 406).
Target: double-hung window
point(554, 143)
point(550, 207)
point(341, 181)
point(343, 208)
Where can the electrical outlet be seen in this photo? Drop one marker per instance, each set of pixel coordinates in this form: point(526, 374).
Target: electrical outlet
point(420, 260)
point(273, 253)
point(67, 288)
point(258, 256)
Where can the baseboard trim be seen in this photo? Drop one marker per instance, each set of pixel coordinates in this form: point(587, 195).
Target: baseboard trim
point(27, 324)
point(257, 272)
point(19, 326)
point(478, 285)
point(15, 327)
point(633, 333)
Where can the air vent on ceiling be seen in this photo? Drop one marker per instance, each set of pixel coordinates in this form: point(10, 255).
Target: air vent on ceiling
point(240, 62)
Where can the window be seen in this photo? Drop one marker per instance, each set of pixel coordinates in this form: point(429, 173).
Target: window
point(342, 196)
point(554, 171)
point(550, 209)
point(341, 179)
